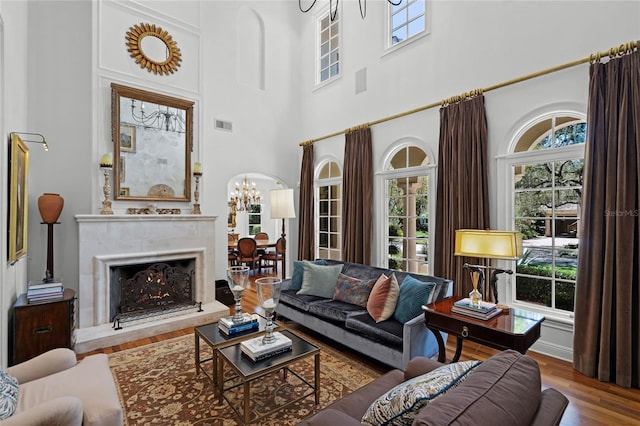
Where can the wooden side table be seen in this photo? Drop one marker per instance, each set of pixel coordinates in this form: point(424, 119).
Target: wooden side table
point(516, 329)
point(39, 327)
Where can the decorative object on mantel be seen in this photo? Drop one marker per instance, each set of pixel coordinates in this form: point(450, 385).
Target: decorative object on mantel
point(50, 206)
point(106, 164)
point(242, 198)
point(197, 173)
point(135, 40)
point(152, 210)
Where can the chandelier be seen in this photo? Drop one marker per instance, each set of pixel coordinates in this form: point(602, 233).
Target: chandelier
point(334, 10)
point(243, 196)
point(165, 118)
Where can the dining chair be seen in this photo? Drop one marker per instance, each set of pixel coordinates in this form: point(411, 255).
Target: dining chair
point(270, 259)
point(262, 237)
point(232, 255)
point(248, 253)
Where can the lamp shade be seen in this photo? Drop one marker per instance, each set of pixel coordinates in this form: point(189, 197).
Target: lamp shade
point(282, 204)
point(488, 244)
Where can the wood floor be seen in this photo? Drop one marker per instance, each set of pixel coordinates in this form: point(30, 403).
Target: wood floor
point(591, 402)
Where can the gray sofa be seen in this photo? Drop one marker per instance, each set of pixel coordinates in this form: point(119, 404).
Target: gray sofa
point(504, 390)
point(387, 341)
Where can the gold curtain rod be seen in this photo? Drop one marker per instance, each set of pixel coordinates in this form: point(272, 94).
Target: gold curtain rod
point(621, 50)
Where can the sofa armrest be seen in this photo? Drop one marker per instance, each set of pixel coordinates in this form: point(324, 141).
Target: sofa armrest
point(551, 408)
point(420, 365)
point(62, 411)
point(43, 365)
point(329, 416)
point(418, 340)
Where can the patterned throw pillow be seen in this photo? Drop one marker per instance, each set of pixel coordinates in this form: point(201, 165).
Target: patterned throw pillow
point(383, 298)
point(353, 290)
point(319, 280)
point(8, 394)
point(413, 294)
point(401, 405)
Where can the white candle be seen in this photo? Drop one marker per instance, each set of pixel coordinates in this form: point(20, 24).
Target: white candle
point(197, 168)
point(237, 288)
point(106, 160)
point(269, 304)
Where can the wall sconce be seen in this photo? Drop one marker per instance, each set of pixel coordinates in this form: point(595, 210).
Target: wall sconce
point(43, 141)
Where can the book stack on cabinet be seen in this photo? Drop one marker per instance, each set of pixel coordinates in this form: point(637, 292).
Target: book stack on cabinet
point(484, 310)
point(44, 291)
point(229, 327)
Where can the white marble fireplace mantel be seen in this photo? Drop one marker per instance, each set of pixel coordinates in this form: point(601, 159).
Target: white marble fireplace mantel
point(111, 240)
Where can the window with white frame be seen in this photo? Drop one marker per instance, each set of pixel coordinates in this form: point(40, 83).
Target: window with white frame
point(254, 216)
point(328, 46)
point(407, 181)
point(546, 168)
point(407, 19)
point(329, 213)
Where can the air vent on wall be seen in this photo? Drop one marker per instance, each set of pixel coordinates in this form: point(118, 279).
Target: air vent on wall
point(223, 125)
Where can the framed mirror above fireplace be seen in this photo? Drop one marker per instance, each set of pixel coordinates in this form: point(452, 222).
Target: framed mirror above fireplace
point(152, 142)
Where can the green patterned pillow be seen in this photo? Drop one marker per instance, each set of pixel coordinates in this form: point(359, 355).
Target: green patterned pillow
point(401, 405)
point(8, 394)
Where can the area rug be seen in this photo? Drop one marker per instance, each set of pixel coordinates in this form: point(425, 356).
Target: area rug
point(157, 385)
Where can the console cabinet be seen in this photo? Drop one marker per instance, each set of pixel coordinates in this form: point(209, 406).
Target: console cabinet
point(39, 327)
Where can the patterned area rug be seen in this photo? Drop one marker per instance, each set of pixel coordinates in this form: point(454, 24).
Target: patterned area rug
point(157, 385)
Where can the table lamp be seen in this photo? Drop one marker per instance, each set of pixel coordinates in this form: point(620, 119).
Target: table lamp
point(282, 208)
point(488, 244)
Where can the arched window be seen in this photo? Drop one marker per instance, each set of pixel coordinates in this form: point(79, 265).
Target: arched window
point(329, 211)
point(407, 180)
point(546, 166)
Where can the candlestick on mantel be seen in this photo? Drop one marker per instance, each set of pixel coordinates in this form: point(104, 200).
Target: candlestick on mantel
point(106, 164)
point(197, 172)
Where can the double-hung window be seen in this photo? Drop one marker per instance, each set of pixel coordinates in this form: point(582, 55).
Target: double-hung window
point(407, 19)
point(328, 47)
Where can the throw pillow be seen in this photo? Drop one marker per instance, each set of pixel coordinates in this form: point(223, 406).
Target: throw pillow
point(383, 298)
point(319, 280)
point(353, 290)
point(401, 404)
point(296, 277)
point(413, 294)
point(8, 394)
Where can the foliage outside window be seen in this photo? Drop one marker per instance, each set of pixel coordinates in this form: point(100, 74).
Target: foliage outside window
point(547, 202)
point(329, 194)
point(407, 196)
point(254, 213)
point(406, 20)
point(328, 47)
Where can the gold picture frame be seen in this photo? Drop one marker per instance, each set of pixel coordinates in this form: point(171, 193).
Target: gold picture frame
point(127, 138)
point(123, 171)
point(231, 216)
point(18, 198)
point(159, 65)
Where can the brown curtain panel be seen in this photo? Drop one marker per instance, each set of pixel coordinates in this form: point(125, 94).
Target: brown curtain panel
point(606, 341)
point(306, 229)
point(463, 198)
point(357, 197)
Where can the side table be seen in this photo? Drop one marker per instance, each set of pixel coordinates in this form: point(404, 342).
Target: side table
point(515, 329)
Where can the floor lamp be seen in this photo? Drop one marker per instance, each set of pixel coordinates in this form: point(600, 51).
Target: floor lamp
point(282, 208)
point(489, 244)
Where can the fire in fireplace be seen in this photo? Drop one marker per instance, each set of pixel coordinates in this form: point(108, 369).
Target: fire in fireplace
point(142, 291)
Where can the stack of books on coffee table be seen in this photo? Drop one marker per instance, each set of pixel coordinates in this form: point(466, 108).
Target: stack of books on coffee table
point(44, 291)
point(256, 350)
point(229, 327)
point(484, 310)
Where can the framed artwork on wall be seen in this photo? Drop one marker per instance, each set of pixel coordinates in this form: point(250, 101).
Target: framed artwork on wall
point(127, 138)
point(18, 197)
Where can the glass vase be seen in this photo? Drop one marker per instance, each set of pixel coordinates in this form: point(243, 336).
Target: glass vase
point(268, 291)
point(238, 282)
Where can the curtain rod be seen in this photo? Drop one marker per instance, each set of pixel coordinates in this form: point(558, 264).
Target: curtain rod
point(621, 50)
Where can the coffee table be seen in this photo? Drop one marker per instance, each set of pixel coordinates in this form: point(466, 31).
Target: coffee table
point(517, 329)
point(248, 371)
point(211, 335)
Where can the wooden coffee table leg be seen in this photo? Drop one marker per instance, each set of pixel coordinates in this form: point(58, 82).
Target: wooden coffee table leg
point(197, 353)
point(247, 398)
point(317, 377)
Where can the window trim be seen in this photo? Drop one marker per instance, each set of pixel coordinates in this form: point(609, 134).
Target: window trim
point(317, 183)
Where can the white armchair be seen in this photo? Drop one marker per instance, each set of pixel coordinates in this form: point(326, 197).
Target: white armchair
point(55, 390)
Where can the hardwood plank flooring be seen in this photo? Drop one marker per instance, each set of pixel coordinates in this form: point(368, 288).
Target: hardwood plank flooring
point(591, 402)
